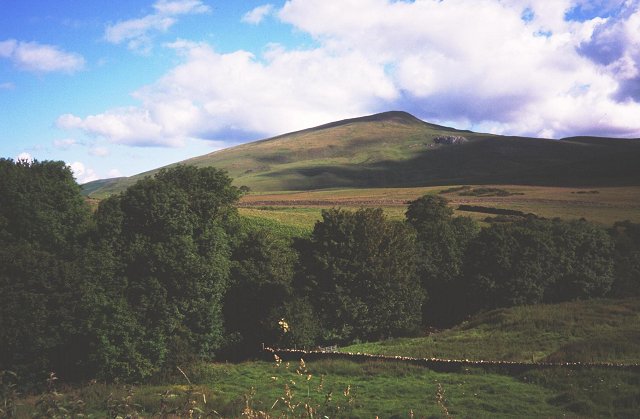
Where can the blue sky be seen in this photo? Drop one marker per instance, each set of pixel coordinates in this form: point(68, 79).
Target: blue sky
point(120, 87)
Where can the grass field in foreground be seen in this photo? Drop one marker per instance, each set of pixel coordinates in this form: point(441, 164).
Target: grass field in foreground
point(342, 388)
point(584, 331)
point(599, 330)
point(600, 205)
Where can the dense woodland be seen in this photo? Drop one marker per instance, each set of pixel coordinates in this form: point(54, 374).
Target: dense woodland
point(166, 273)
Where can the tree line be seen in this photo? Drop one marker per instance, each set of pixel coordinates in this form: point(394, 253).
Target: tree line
point(167, 273)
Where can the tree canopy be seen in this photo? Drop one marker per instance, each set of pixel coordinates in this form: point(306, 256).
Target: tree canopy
point(441, 244)
point(361, 271)
point(171, 235)
point(536, 261)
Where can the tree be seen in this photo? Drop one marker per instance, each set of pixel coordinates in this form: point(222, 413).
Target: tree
point(171, 236)
point(428, 209)
point(537, 261)
point(361, 278)
point(442, 242)
point(510, 264)
point(626, 238)
point(43, 219)
point(585, 261)
point(260, 287)
point(40, 203)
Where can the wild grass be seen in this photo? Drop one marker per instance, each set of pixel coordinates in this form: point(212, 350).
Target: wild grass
point(330, 388)
point(342, 388)
point(585, 331)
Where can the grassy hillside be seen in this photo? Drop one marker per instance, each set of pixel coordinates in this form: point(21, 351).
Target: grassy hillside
point(395, 149)
point(584, 331)
point(374, 389)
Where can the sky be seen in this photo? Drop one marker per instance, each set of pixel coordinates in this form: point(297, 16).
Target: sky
point(118, 87)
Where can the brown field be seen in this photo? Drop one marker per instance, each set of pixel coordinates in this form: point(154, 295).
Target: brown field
point(603, 205)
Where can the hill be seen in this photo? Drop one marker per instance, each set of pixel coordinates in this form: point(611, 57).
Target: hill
point(395, 149)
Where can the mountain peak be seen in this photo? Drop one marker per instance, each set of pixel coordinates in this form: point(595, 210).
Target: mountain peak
point(389, 116)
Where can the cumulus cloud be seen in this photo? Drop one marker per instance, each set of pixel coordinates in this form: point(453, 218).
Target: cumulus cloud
point(82, 173)
point(24, 156)
point(452, 62)
point(129, 126)
point(538, 72)
point(614, 46)
point(138, 33)
point(213, 95)
point(258, 14)
point(40, 58)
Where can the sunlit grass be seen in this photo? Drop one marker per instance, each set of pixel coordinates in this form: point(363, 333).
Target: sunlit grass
point(588, 331)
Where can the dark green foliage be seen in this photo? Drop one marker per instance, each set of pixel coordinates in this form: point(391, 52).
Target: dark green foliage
point(428, 209)
point(510, 264)
point(361, 273)
point(42, 219)
point(170, 238)
point(260, 285)
point(538, 261)
point(498, 211)
point(626, 236)
point(139, 291)
point(585, 256)
point(442, 241)
point(40, 203)
point(304, 329)
point(488, 192)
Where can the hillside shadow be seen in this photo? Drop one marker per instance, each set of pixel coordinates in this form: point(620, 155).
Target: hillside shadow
point(504, 160)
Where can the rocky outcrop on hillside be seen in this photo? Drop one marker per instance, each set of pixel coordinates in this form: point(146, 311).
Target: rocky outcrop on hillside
point(449, 139)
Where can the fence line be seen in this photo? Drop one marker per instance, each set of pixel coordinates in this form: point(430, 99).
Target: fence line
point(442, 365)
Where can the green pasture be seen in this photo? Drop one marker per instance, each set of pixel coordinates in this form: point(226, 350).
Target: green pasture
point(339, 388)
point(597, 330)
point(583, 331)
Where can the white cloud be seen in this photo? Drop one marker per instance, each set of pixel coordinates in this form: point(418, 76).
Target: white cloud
point(445, 61)
point(65, 143)
point(40, 58)
point(68, 121)
point(82, 173)
point(8, 47)
point(24, 156)
point(99, 151)
point(213, 95)
point(453, 62)
point(258, 14)
point(7, 86)
point(137, 33)
point(129, 126)
point(181, 7)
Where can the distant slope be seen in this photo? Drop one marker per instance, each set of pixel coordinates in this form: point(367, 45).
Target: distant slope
point(101, 185)
point(395, 149)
